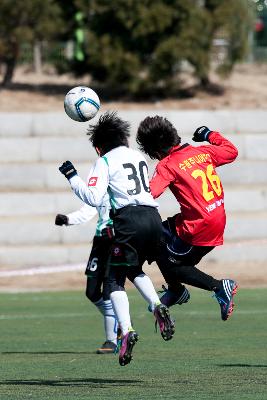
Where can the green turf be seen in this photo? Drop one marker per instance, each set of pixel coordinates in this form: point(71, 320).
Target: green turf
point(48, 343)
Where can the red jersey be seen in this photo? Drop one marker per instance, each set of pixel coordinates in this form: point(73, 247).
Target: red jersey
point(189, 172)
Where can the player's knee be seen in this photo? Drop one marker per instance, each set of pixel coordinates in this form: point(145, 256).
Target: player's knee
point(106, 292)
point(93, 294)
point(115, 287)
point(132, 274)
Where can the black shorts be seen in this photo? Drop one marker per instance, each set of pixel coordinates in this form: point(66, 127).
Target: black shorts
point(138, 232)
point(178, 251)
point(98, 258)
point(96, 269)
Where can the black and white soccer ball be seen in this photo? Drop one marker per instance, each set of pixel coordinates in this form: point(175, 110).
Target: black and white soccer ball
point(81, 103)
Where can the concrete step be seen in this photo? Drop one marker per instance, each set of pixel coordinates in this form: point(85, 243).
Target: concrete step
point(254, 251)
point(39, 149)
point(246, 251)
point(36, 176)
point(237, 199)
point(39, 176)
point(186, 121)
point(40, 230)
point(18, 256)
point(38, 203)
point(60, 148)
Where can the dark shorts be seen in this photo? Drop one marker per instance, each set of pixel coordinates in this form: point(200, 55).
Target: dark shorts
point(97, 266)
point(138, 233)
point(178, 251)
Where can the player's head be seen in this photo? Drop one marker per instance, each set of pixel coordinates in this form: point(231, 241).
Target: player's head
point(109, 132)
point(156, 136)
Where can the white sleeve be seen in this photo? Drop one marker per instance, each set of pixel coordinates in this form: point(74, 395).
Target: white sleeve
point(96, 187)
point(84, 214)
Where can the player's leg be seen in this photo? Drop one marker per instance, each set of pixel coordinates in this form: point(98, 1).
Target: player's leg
point(224, 289)
point(135, 228)
point(117, 270)
point(148, 232)
point(183, 259)
point(176, 293)
point(177, 261)
point(95, 281)
point(128, 223)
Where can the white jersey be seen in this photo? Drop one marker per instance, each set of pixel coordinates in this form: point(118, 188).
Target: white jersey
point(86, 213)
point(123, 173)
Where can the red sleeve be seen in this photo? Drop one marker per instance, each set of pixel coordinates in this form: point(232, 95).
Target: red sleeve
point(222, 151)
point(161, 179)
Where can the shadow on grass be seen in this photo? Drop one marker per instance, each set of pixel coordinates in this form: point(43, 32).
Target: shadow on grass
point(244, 365)
point(48, 352)
point(93, 382)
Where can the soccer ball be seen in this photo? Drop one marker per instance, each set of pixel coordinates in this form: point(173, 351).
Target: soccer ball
point(81, 103)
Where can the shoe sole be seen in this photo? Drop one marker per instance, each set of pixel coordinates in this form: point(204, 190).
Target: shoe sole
point(231, 305)
point(127, 357)
point(105, 351)
point(169, 328)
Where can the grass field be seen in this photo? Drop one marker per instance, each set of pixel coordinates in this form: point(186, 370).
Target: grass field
point(48, 343)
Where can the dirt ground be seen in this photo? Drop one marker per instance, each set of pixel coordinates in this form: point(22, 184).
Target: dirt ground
point(244, 89)
point(247, 276)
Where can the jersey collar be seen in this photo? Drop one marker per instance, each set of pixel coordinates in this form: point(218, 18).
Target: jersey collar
point(178, 148)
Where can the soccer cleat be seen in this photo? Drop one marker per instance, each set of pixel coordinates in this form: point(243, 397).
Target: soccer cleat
point(127, 344)
point(169, 298)
point(225, 297)
point(107, 348)
point(166, 324)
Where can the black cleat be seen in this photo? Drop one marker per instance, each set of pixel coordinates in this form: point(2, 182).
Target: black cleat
point(169, 298)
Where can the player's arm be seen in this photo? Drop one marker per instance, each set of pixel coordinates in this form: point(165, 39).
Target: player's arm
point(81, 216)
point(92, 193)
point(221, 150)
point(161, 180)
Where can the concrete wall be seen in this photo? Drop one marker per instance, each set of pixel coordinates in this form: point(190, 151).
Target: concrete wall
point(32, 191)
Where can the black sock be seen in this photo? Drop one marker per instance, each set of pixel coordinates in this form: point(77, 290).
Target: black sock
point(194, 277)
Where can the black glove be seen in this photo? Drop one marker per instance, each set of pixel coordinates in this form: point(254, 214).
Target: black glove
point(201, 134)
point(68, 169)
point(61, 220)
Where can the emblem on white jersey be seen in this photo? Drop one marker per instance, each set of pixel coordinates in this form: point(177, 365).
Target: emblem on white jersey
point(92, 181)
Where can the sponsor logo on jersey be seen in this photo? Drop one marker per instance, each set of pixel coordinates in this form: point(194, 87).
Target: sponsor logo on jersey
point(92, 181)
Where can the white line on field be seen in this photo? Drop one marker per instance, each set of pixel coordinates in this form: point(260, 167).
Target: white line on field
point(52, 269)
point(42, 316)
point(42, 270)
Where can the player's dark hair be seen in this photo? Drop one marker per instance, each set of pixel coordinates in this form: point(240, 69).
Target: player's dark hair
point(156, 135)
point(109, 132)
